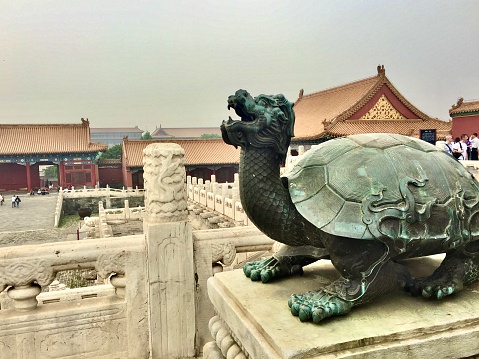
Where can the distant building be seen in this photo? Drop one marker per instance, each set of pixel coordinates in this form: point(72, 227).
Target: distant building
point(203, 158)
point(465, 117)
point(23, 148)
point(187, 133)
point(113, 136)
point(369, 105)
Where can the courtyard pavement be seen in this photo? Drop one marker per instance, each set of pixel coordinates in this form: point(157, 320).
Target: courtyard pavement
point(35, 212)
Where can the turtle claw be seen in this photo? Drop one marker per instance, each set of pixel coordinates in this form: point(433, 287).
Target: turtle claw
point(439, 292)
point(433, 289)
point(316, 306)
point(270, 268)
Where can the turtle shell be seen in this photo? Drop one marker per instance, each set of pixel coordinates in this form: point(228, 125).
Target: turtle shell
point(338, 183)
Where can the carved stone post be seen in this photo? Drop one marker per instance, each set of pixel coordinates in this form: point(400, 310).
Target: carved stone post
point(236, 191)
point(171, 284)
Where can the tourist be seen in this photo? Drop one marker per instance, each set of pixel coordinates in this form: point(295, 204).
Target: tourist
point(17, 201)
point(448, 145)
point(13, 201)
point(459, 149)
point(1, 200)
point(474, 146)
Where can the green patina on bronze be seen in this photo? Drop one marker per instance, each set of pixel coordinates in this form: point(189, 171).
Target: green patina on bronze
point(363, 201)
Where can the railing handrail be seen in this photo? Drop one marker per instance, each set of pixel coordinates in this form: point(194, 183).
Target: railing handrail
point(62, 254)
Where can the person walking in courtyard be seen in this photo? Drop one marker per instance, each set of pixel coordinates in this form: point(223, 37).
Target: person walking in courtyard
point(13, 201)
point(1, 200)
point(17, 201)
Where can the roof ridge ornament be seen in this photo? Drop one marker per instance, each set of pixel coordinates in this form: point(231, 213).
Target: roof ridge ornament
point(381, 70)
point(85, 122)
point(460, 100)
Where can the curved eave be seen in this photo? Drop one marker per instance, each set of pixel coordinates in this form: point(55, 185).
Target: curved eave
point(464, 113)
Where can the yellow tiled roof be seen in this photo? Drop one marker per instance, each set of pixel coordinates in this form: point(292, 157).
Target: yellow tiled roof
point(403, 127)
point(311, 110)
point(328, 112)
point(54, 138)
point(464, 106)
point(197, 152)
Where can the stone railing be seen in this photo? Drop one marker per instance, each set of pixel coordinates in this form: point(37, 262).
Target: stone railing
point(473, 167)
point(126, 213)
point(58, 209)
point(93, 321)
point(155, 304)
point(217, 199)
point(93, 192)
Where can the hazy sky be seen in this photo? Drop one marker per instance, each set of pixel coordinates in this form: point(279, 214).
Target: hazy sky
point(174, 63)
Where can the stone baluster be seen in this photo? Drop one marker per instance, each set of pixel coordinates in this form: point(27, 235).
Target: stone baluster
point(24, 296)
point(169, 246)
point(21, 275)
point(107, 264)
point(126, 210)
point(236, 191)
point(215, 188)
point(224, 190)
point(300, 150)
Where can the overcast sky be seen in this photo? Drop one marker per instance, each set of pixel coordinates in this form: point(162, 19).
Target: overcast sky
point(174, 63)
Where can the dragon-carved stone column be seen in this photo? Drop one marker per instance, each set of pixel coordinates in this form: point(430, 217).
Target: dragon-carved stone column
point(171, 283)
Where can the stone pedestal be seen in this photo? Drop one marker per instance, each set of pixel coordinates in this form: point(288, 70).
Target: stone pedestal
point(255, 318)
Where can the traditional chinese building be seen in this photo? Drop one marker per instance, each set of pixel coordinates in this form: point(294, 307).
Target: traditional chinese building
point(203, 158)
point(465, 117)
point(365, 106)
point(24, 148)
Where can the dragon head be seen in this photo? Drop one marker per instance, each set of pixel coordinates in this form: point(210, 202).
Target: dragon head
point(266, 122)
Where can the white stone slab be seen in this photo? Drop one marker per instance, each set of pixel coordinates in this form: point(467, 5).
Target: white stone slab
point(393, 326)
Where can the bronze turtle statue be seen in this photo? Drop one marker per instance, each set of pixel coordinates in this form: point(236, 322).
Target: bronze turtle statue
point(363, 201)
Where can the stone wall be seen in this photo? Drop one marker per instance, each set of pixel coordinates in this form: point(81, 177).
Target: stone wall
point(72, 205)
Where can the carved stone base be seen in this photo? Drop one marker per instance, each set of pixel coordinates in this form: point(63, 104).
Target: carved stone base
point(257, 316)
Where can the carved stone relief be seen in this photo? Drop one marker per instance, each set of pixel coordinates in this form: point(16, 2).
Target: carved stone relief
point(111, 263)
point(224, 252)
point(164, 178)
point(21, 273)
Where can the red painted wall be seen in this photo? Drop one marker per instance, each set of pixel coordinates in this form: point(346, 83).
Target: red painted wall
point(35, 176)
point(398, 105)
point(109, 176)
point(466, 124)
point(12, 176)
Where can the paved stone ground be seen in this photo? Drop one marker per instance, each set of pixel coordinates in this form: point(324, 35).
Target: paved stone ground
point(35, 212)
point(32, 222)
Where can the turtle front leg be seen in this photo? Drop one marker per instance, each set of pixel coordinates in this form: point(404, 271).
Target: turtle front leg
point(287, 261)
point(367, 273)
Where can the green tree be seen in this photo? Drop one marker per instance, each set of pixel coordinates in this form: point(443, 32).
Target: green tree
point(210, 135)
point(146, 136)
point(112, 152)
point(51, 172)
